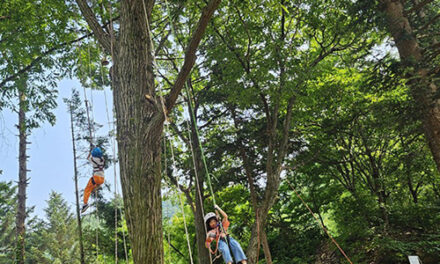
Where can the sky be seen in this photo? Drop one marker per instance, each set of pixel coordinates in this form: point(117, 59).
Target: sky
point(51, 157)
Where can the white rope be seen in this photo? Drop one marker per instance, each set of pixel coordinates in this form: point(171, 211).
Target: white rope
point(116, 192)
point(197, 180)
point(181, 201)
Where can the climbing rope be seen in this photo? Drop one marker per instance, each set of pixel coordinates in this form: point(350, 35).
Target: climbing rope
point(320, 224)
point(96, 190)
point(189, 97)
point(180, 197)
point(166, 122)
point(202, 154)
point(92, 133)
point(88, 117)
point(113, 128)
point(196, 173)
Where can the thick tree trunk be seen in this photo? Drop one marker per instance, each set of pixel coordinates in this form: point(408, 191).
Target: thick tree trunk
point(422, 87)
point(75, 175)
point(139, 129)
point(22, 179)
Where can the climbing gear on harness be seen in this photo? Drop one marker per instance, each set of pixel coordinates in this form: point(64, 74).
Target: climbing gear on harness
point(96, 152)
point(98, 167)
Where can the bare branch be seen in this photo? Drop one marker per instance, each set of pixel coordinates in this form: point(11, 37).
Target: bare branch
point(233, 50)
point(162, 42)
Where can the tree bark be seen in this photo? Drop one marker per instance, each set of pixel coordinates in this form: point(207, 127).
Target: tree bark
point(139, 129)
point(75, 173)
point(422, 87)
point(266, 248)
point(22, 175)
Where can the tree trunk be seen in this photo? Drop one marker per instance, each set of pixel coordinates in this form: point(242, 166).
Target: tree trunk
point(273, 171)
point(253, 246)
point(202, 252)
point(422, 87)
point(75, 173)
point(22, 177)
point(266, 248)
point(139, 129)
point(383, 209)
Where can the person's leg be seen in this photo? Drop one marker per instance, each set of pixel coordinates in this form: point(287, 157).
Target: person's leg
point(88, 190)
point(98, 180)
point(223, 247)
point(93, 183)
point(237, 251)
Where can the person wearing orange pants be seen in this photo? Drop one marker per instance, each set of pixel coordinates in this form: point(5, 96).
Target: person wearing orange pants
point(95, 157)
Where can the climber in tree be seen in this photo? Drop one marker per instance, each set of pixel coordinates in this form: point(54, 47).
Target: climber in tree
point(218, 231)
point(95, 157)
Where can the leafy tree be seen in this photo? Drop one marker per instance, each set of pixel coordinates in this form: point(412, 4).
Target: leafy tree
point(30, 33)
point(53, 240)
point(7, 213)
point(412, 25)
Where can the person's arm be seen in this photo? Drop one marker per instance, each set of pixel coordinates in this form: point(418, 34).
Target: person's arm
point(225, 216)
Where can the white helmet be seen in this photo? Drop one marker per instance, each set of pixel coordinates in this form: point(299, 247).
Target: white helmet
point(209, 216)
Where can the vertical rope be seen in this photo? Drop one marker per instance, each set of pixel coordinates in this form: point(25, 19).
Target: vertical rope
point(97, 229)
point(88, 117)
point(202, 152)
point(191, 146)
point(112, 39)
point(169, 248)
point(164, 169)
point(320, 224)
point(91, 134)
point(197, 180)
point(111, 127)
point(181, 201)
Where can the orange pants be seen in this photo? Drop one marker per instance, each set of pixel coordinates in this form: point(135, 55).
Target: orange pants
point(93, 183)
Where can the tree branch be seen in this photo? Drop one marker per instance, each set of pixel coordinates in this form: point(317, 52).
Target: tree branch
point(430, 22)
point(39, 58)
point(190, 55)
point(417, 7)
point(179, 133)
point(286, 128)
point(212, 119)
point(103, 38)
